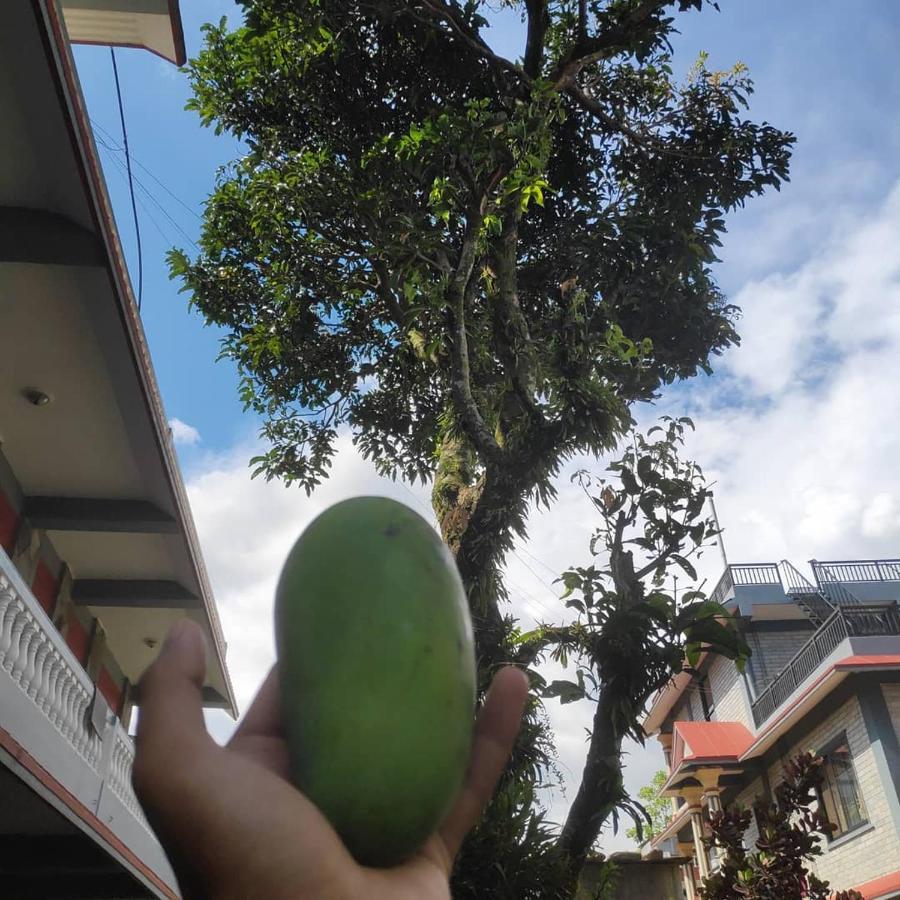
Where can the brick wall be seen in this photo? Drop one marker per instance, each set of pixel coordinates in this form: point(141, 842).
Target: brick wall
point(892, 698)
point(745, 800)
point(728, 692)
point(873, 852)
point(772, 651)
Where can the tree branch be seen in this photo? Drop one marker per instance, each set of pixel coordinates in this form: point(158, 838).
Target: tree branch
point(510, 326)
point(441, 11)
point(460, 378)
point(582, 20)
point(608, 42)
point(534, 43)
point(589, 104)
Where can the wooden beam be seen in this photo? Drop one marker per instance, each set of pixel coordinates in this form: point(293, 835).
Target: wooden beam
point(135, 593)
point(41, 236)
point(88, 514)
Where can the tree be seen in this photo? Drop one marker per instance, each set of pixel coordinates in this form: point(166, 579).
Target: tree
point(475, 264)
point(790, 833)
point(631, 635)
point(658, 810)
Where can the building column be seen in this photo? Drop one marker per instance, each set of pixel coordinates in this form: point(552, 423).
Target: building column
point(884, 743)
point(687, 873)
point(714, 805)
point(699, 846)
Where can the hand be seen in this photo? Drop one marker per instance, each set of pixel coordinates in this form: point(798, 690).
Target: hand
point(234, 826)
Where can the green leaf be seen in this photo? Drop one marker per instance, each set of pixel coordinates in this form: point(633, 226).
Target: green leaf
point(567, 691)
point(688, 568)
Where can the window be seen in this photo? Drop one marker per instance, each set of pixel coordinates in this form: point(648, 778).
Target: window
point(706, 699)
point(839, 794)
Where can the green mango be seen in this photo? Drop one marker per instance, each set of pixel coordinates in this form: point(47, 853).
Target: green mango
point(377, 672)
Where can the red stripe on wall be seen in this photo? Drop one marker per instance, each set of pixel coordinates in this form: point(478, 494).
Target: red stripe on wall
point(77, 639)
point(9, 523)
point(45, 587)
point(26, 760)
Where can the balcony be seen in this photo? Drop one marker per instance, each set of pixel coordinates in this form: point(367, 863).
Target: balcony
point(76, 748)
point(759, 580)
point(860, 621)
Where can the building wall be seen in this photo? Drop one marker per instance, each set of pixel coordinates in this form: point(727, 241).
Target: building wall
point(729, 693)
point(892, 698)
point(40, 566)
point(745, 800)
point(772, 650)
point(874, 850)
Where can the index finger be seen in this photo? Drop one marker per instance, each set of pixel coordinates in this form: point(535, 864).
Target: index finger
point(495, 733)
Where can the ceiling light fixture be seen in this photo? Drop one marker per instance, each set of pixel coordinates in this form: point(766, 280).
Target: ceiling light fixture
point(36, 397)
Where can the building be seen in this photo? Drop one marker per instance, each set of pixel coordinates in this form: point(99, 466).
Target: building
point(824, 676)
point(98, 554)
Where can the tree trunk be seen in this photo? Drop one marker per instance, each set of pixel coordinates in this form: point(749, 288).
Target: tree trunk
point(459, 500)
point(601, 787)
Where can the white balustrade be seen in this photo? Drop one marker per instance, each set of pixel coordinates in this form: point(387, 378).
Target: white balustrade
point(119, 777)
point(45, 701)
point(33, 652)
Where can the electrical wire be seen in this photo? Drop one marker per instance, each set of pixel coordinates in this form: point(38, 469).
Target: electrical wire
point(120, 168)
point(150, 195)
point(137, 227)
point(137, 162)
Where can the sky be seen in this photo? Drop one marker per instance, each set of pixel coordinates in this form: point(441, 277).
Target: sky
point(799, 427)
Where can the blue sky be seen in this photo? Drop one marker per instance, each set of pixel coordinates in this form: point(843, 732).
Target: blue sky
point(800, 427)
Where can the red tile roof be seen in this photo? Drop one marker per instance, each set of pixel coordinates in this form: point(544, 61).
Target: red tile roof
point(713, 740)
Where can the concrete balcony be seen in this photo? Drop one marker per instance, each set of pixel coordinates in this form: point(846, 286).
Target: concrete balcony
point(58, 735)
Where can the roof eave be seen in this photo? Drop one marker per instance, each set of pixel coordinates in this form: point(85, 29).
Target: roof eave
point(102, 208)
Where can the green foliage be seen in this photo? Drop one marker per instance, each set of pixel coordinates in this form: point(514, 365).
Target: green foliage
point(631, 634)
point(513, 853)
point(575, 198)
point(790, 833)
point(657, 808)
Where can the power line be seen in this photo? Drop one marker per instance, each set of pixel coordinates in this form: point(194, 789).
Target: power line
point(151, 196)
point(120, 168)
point(137, 162)
point(137, 227)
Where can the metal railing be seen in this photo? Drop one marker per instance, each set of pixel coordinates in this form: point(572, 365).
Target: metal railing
point(855, 621)
point(858, 570)
point(723, 588)
point(744, 574)
point(755, 573)
point(831, 587)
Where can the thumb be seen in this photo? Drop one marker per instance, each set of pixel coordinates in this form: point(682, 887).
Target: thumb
point(170, 700)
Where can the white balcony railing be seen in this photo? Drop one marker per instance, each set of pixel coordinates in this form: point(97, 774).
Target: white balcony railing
point(45, 704)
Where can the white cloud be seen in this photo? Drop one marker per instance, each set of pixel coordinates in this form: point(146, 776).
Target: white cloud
point(184, 434)
point(800, 430)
